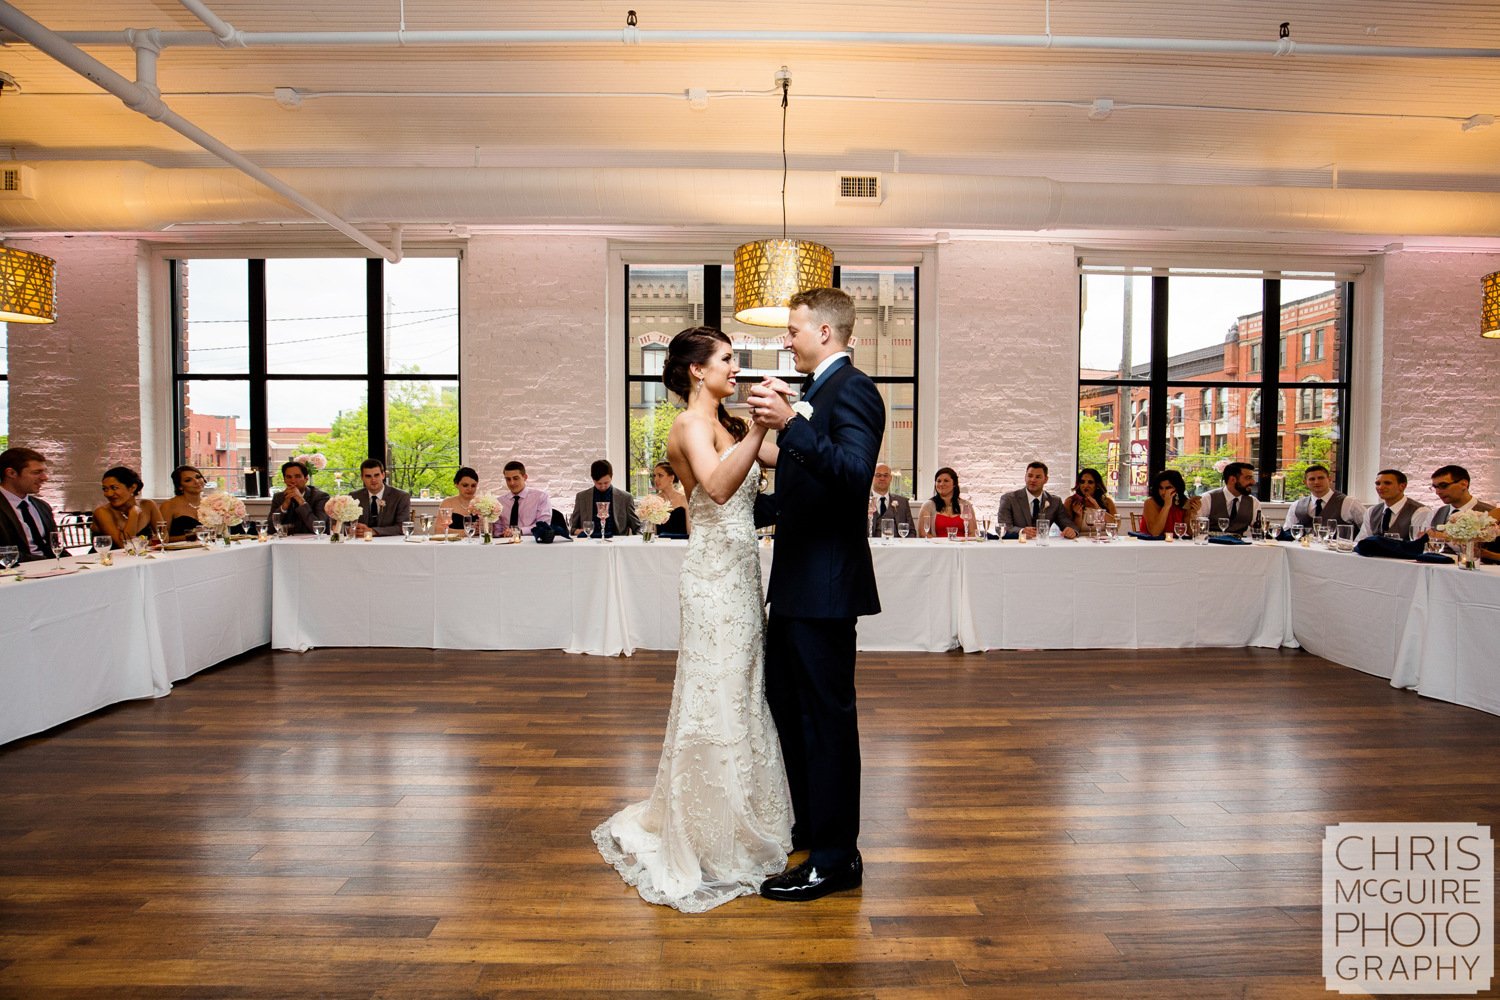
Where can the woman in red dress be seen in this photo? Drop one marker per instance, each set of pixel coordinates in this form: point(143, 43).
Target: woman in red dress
point(946, 509)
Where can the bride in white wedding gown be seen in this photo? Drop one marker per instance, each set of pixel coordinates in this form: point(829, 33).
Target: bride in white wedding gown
point(719, 818)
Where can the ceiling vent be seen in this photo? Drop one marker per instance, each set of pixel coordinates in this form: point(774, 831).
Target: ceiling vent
point(860, 189)
point(17, 182)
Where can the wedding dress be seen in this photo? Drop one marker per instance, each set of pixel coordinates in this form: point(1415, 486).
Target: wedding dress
point(718, 821)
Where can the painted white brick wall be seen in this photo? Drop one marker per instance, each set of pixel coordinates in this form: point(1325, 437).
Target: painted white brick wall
point(75, 385)
point(1439, 403)
point(533, 359)
point(1007, 366)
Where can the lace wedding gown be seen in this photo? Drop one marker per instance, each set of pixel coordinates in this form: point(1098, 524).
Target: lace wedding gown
point(718, 821)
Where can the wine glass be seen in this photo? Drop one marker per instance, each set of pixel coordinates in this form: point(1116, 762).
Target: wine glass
point(59, 547)
point(469, 528)
point(1180, 529)
point(102, 544)
point(1296, 531)
point(588, 528)
point(161, 532)
point(1223, 525)
point(927, 526)
point(601, 514)
point(903, 529)
point(201, 533)
point(407, 527)
point(320, 526)
point(952, 533)
point(10, 556)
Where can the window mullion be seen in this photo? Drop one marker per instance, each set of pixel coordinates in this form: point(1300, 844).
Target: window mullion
point(375, 361)
point(260, 433)
point(1270, 397)
point(1156, 397)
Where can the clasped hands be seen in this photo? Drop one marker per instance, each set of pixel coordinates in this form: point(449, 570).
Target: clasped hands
point(769, 403)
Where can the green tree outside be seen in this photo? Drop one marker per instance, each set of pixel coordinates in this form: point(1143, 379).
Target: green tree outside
point(648, 444)
point(1318, 448)
point(421, 435)
point(1093, 443)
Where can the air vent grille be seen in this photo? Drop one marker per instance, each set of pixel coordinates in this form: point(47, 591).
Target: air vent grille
point(863, 187)
point(17, 182)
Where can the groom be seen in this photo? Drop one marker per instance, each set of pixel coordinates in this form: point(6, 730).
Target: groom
point(822, 580)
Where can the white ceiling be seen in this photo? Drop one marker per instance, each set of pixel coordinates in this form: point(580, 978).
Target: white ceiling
point(1247, 120)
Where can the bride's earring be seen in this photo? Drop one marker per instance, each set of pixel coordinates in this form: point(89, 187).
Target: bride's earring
point(700, 383)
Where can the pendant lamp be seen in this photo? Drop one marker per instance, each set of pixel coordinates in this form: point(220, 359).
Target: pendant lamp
point(1489, 310)
point(767, 273)
point(28, 287)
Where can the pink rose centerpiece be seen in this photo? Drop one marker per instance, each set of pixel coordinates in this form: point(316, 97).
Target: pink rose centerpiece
point(221, 511)
point(486, 507)
point(653, 511)
point(1468, 530)
point(341, 510)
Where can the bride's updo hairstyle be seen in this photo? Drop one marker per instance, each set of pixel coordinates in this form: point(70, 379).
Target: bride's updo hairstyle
point(695, 346)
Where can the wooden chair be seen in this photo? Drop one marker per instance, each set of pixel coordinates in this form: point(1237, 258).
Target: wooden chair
point(76, 533)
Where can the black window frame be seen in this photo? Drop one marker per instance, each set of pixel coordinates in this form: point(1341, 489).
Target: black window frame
point(259, 378)
point(1158, 385)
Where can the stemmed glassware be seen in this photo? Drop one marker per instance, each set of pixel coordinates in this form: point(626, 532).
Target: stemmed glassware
point(161, 532)
point(601, 514)
point(102, 544)
point(10, 556)
point(320, 527)
point(588, 528)
point(1223, 525)
point(903, 529)
point(58, 548)
point(1180, 529)
point(1296, 531)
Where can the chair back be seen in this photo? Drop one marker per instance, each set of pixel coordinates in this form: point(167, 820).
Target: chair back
point(76, 531)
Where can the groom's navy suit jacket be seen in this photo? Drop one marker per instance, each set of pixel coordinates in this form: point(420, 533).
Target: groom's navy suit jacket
point(822, 567)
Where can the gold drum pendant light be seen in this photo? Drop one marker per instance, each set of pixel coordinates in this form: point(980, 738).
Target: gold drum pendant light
point(28, 287)
point(1489, 309)
point(767, 273)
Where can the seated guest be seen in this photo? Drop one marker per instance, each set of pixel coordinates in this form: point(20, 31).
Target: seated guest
point(26, 519)
point(947, 508)
point(124, 514)
point(887, 505)
point(1394, 513)
point(664, 478)
point(1088, 496)
point(1168, 505)
point(300, 503)
point(1323, 502)
point(621, 519)
point(526, 506)
point(1234, 500)
point(1024, 507)
point(1451, 484)
point(457, 507)
point(384, 507)
point(181, 512)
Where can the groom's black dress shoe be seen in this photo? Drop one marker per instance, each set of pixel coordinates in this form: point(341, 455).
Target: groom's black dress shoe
point(807, 882)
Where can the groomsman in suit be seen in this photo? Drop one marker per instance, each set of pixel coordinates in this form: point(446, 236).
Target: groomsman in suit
point(1323, 502)
point(1451, 484)
point(26, 520)
point(822, 581)
point(622, 520)
point(1396, 510)
point(385, 507)
point(300, 503)
point(887, 505)
point(1234, 500)
point(1024, 507)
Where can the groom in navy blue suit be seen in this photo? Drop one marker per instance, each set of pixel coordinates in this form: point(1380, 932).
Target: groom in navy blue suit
point(822, 580)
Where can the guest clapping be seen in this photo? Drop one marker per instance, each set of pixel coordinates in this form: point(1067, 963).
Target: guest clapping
point(124, 514)
point(300, 503)
point(1089, 496)
point(1168, 505)
point(458, 506)
point(181, 512)
point(947, 508)
point(670, 490)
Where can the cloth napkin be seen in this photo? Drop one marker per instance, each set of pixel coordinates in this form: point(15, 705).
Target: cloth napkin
point(1147, 537)
point(1389, 548)
point(1435, 557)
point(1226, 540)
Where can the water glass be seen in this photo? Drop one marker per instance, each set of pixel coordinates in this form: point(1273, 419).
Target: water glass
point(1223, 524)
point(1043, 527)
point(887, 528)
point(102, 543)
point(470, 525)
point(1345, 538)
point(59, 548)
point(1433, 543)
point(1180, 529)
point(10, 556)
point(407, 527)
point(588, 528)
point(320, 527)
point(952, 534)
point(1296, 531)
point(1200, 528)
point(903, 529)
point(161, 532)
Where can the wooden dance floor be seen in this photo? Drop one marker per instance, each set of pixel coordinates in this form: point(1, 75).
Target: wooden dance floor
point(409, 823)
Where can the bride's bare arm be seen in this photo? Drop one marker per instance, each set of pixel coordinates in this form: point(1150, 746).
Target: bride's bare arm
point(770, 451)
point(720, 480)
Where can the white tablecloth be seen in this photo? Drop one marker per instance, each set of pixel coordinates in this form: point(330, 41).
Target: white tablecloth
point(1363, 613)
point(1460, 643)
point(109, 634)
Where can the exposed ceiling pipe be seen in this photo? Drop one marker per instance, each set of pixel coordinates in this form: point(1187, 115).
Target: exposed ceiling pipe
point(640, 36)
point(134, 197)
point(145, 99)
point(226, 33)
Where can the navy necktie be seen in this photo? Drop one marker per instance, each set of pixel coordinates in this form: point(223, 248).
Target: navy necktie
point(1318, 509)
point(39, 541)
point(1234, 510)
point(1385, 521)
point(1036, 509)
point(515, 511)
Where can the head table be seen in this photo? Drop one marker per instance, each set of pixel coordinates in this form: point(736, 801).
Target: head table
point(78, 642)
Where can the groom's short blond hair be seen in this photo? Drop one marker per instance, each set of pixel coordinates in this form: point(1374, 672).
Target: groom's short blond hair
point(829, 305)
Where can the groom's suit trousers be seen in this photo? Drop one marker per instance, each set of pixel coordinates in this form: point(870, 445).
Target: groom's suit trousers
point(810, 688)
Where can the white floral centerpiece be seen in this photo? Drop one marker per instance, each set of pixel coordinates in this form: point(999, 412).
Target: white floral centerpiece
point(342, 509)
point(1468, 530)
point(221, 511)
point(654, 512)
point(486, 507)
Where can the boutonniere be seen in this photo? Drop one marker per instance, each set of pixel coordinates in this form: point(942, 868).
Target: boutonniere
point(803, 409)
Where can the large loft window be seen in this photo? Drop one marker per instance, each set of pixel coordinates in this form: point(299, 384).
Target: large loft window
point(1229, 385)
point(664, 299)
point(341, 357)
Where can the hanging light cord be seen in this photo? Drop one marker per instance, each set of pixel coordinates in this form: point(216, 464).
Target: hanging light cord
point(785, 89)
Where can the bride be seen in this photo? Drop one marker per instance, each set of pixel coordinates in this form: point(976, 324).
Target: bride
point(718, 821)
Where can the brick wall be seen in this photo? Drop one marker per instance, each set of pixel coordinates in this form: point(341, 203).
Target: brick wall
point(1438, 402)
point(75, 385)
point(533, 359)
point(1007, 366)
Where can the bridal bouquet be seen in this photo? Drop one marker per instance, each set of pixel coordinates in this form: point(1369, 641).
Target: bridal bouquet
point(653, 509)
point(1469, 529)
point(486, 507)
point(221, 510)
